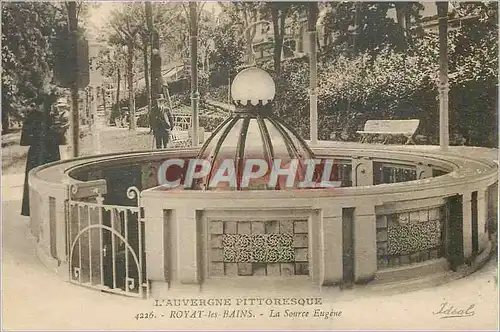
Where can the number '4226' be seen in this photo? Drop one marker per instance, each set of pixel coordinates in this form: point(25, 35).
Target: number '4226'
point(145, 315)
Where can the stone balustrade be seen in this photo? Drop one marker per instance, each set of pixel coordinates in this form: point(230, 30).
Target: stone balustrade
point(370, 231)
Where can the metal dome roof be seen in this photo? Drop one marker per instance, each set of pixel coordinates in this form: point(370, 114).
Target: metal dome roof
point(252, 132)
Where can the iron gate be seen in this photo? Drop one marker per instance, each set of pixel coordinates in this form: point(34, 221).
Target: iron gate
point(106, 245)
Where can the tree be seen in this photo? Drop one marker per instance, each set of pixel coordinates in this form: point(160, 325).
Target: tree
point(158, 20)
point(110, 62)
point(278, 13)
point(244, 15)
point(126, 26)
point(28, 31)
point(228, 53)
point(405, 12)
point(365, 24)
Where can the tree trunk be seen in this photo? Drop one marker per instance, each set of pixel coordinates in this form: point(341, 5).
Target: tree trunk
point(408, 24)
point(118, 81)
point(402, 14)
point(5, 120)
point(155, 60)
point(278, 27)
point(130, 84)
point(103, 92)
point(195, 97)
point(156, 80)
point(325, 39)
point(146, 73)
point(248, 39)
point(75, 119)
point(356, 30)
point(248, 48)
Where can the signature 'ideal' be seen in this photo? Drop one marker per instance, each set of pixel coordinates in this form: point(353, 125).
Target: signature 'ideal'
point(450, 311)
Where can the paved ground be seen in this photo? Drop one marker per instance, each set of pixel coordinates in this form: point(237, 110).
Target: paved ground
point(34, 298)
point(112, 140)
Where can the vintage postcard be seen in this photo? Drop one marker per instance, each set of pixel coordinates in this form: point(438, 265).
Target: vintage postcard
point(249, 165)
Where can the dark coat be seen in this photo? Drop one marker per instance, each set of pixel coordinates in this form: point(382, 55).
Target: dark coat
point(43, 135)
point(161, 121)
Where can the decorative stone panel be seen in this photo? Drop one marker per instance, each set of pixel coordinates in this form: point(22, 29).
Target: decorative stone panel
point(259, 248)
point(410, 237)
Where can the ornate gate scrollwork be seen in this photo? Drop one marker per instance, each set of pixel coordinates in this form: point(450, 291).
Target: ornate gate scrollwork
point(106, 245)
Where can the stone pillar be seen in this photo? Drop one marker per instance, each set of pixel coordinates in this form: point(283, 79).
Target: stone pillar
point(482, 212)
point(331, 246)
point(467, 224)
point(365, 242)
point(187, 237)
point(155, 241)
point(43, 247)
point(362, 172)
point(424, 172)
point(60, 227)
point(44, 239)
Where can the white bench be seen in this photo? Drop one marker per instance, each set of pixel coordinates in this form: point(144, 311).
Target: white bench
point(388, 128)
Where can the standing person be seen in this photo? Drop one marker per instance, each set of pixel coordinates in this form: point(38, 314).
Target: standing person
point(61, 116)
point(43, 131)
point(163, 123)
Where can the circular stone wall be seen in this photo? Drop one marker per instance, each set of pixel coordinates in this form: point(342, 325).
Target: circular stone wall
point(441, 219)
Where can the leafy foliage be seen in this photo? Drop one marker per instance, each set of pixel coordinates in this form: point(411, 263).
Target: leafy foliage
point(361, 27)
point(228, 53)
point(392, 84)
point(27, 34)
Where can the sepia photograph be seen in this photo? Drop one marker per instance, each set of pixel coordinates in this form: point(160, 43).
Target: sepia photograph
point(249, 165)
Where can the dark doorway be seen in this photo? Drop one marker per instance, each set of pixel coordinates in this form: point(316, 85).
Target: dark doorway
point(475, 227)
point(347, 246)
point(455, 245)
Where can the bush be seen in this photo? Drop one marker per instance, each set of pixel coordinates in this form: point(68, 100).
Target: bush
point(210, 123)
point(391, 85)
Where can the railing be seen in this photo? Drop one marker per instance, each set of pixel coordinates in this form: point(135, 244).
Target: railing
point(393, 173)
point(183, 122)
point(106, 246)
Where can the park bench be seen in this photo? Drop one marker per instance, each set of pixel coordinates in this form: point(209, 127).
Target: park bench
point(179, 138)
point(388, 128)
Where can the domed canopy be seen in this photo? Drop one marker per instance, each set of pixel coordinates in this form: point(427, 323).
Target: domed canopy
point(252, 132)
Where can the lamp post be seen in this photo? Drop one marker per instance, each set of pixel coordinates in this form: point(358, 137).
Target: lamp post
point(313, 72)
point(195, 96)
point(444, 136)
